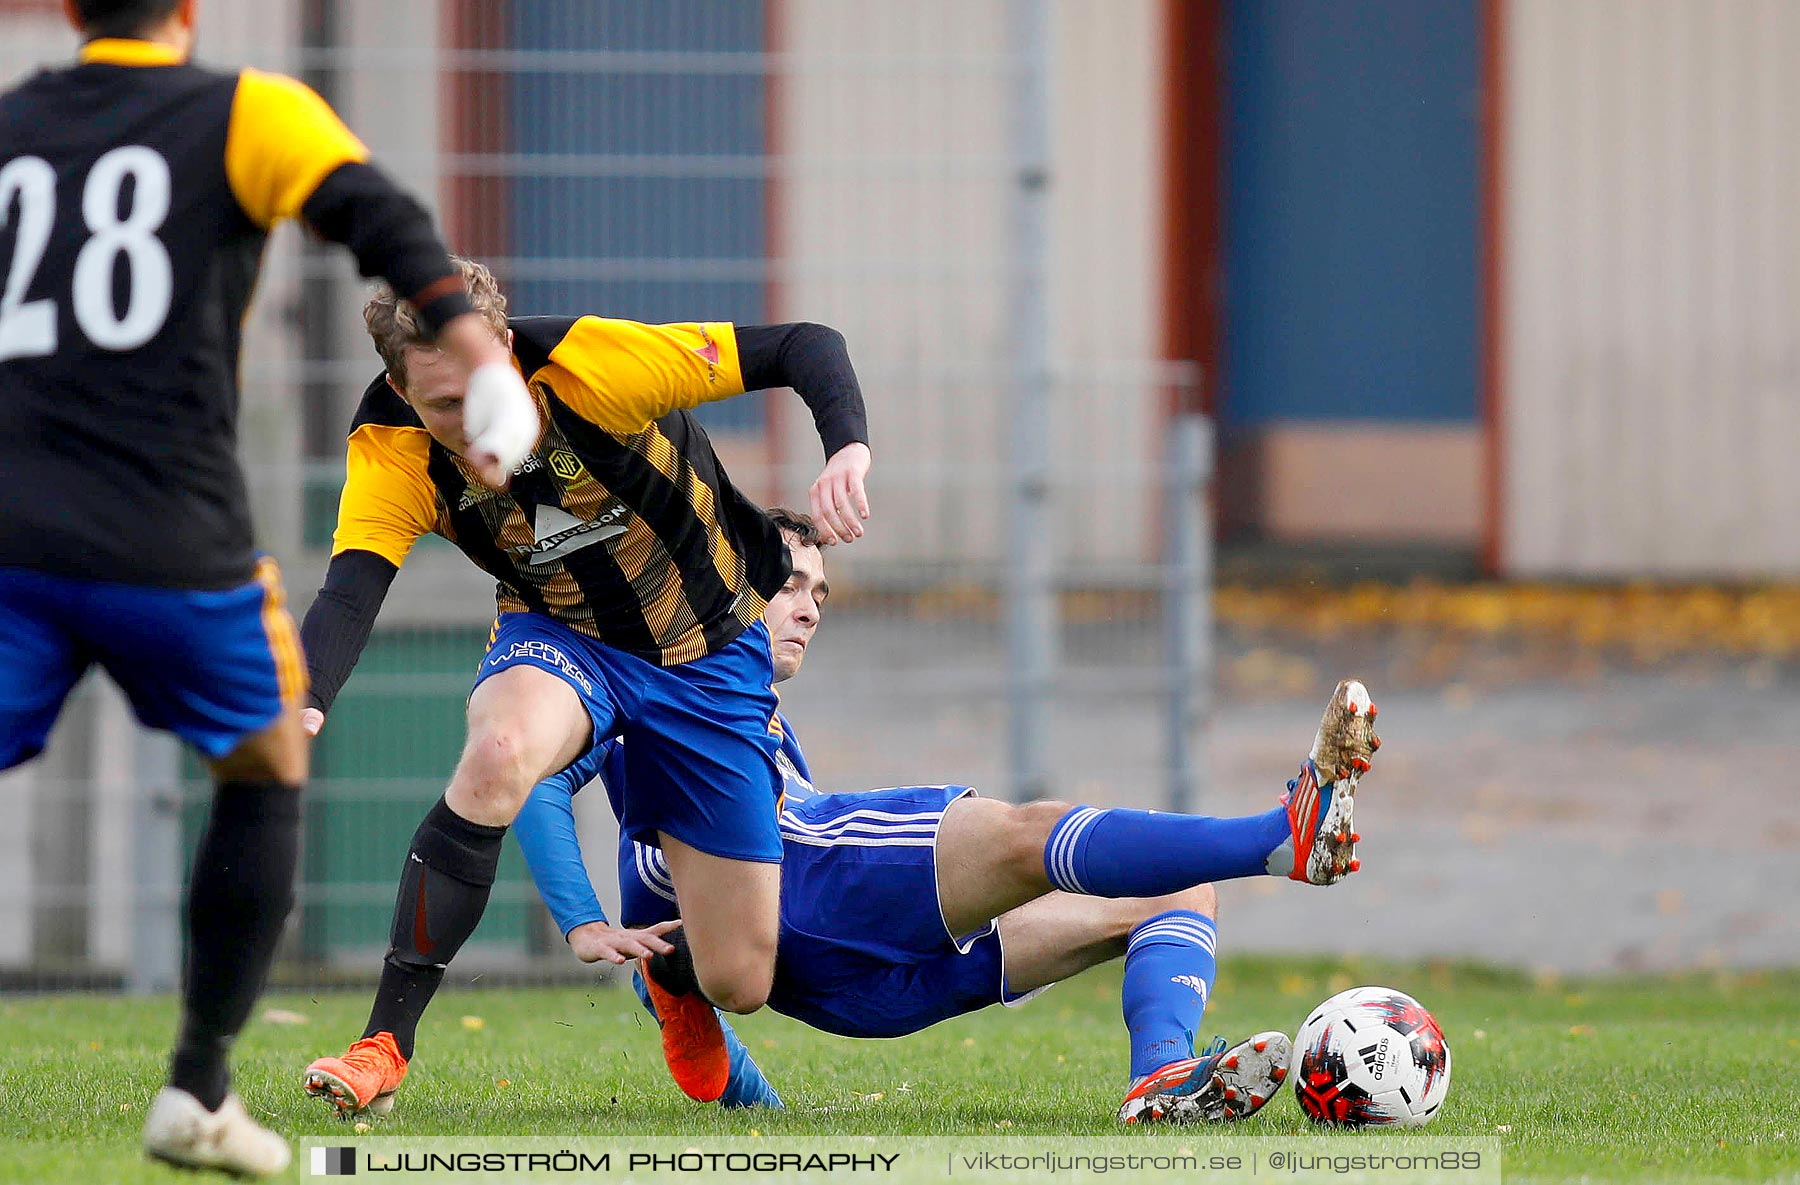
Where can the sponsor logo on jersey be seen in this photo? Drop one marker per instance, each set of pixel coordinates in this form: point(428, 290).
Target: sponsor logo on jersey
point(477, 493)
point(710, 354)
point(560, 533)
point(566, 465)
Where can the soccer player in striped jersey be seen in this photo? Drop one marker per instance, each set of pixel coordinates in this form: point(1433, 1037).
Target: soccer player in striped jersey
point(904, 907)
point(136, 194)
point(632, 578)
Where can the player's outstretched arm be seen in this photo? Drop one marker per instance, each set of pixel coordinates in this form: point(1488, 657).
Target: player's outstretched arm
point(623, 375)
point(546, 832)
point(499, 415)
point(386, 505)
point(815, 361)
point(598, 942)
point(839, 501)
point(338, 624)
point(288, 155)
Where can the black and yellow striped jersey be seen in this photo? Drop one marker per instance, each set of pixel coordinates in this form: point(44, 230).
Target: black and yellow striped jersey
point(136, 192)
point(621, 525)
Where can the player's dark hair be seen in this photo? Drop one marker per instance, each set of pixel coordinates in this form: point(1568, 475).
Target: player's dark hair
point(122, 18)
point(805, 532)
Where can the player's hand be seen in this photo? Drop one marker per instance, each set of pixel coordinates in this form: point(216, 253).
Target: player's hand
point(840, 505)
point(500, 421)
point(595, 942)
point(312, 720)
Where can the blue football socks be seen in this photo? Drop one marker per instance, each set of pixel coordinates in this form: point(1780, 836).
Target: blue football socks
point(1130, 853)
point(1169, 969)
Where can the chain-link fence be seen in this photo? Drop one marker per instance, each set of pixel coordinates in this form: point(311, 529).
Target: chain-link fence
point(852, 162)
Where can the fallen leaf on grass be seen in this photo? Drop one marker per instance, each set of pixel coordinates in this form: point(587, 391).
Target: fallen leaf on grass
point(283, 1016)
point(473, 1023)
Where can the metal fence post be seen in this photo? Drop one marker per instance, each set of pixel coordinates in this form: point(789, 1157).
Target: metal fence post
point(156, 945)
point(1030, 577)
point(1187, 606)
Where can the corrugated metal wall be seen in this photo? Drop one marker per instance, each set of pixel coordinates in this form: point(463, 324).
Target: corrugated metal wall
point(1650, 281)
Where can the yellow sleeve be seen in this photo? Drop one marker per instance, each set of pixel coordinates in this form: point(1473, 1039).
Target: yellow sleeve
point(621, 374)
point(282, 142)
point(388, 500)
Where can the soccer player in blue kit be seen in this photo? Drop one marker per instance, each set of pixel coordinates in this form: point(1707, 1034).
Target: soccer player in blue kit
point(904, 907)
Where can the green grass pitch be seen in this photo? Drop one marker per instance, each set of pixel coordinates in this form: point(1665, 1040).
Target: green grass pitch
point(1632, 1079)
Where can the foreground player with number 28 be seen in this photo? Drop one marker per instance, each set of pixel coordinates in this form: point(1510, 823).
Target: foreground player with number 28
point(136, 193)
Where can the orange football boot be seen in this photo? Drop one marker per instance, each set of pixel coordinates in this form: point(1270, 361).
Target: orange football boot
point(693, 1044)
point(363, 1080)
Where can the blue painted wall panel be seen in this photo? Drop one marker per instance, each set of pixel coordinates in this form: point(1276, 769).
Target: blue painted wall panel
point(1351, 218)
point(681, 236)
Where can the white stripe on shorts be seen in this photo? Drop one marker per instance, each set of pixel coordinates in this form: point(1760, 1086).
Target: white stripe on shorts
point(646, 869)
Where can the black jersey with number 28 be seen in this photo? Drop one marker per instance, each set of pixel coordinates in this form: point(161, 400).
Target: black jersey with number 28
point(136, 194)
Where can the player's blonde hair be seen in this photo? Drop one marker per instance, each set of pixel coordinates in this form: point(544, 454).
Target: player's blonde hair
point(394, 323)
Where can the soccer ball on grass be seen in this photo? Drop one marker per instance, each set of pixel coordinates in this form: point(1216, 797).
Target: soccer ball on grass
point(1371, 1056)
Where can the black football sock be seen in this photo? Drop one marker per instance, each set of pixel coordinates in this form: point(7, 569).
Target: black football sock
point(443, 891)
point(674, 973)
point(400, 1000)
point(239, 895)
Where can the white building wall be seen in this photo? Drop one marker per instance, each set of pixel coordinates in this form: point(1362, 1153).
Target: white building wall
point(1651, 273)
point(893, 200)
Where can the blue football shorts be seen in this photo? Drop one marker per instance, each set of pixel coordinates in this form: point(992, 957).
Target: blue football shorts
point(700, 756)
point(864, 950)
point(211, 666)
